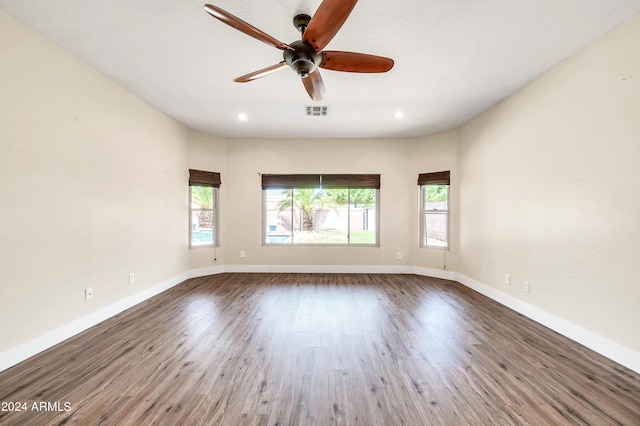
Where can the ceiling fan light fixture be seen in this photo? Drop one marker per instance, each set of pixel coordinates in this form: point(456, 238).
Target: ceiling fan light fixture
point(303, 67)
point(242, 117)
point(303, 59)
point(399, 115)
point(306, 55)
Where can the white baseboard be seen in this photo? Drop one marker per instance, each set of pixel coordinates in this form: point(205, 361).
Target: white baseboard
point(319, 269)
point(612, 350)
point(609, 349)
point(34, 346)
point(203, 272)
point(435, 273)
point(26, 350)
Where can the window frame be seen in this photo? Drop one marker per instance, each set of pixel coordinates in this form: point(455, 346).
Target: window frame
point(214, 213)
point(434, 179)
point(199, 178)
point(315, 181)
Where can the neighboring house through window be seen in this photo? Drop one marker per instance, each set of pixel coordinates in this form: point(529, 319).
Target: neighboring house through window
point(203, 208)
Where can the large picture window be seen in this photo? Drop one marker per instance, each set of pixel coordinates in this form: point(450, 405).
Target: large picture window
point(434, 207)
point(321, 209)
point(203, 208)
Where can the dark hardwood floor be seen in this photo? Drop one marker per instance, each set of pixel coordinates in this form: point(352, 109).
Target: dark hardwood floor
point(320, 349)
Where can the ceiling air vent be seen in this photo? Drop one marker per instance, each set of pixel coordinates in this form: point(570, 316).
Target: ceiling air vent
point(316, 111)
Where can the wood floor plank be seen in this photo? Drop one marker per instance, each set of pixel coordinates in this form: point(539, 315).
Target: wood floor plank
point(320, 349)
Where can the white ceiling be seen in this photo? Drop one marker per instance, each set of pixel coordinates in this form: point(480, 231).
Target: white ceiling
point(453, 58)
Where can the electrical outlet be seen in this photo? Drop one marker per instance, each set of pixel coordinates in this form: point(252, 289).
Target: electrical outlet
point(242, 253)
point(88, 293)
point(526, 287)
point(507, 279)
point(132, 277)
point(398, 255)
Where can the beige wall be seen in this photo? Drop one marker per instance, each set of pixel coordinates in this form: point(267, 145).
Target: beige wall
point(399, 162)
point(92, 184)
point(435, 153)
point(246, 159)
point(545, 187)
point(550, 190)
point(209, 153)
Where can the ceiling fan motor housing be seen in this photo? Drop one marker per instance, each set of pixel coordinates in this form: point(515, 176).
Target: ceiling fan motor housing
point(303, 59)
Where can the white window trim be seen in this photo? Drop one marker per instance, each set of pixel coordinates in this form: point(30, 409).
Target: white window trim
point(424, 211)
point(216, 233)
point(374, 245)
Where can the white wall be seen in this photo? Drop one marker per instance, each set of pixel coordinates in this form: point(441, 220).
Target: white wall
point(550, 190)
point(92, 184)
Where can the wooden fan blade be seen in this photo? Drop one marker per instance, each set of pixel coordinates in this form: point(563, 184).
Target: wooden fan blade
point(354, 62)
point(326, 22)
point(314, 85)
point(246, 28)
point(261, 73)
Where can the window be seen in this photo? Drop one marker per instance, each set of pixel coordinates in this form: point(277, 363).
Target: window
point(320, 209)
point(434, 208)
point(203, 208)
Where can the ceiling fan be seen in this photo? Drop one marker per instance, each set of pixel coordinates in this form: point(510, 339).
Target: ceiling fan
point(306, 55)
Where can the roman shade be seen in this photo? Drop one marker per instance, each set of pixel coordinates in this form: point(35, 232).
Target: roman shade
point(351, 181)
point(436, 178)
point(270, 181)
point(290, 181)
point(202, 178)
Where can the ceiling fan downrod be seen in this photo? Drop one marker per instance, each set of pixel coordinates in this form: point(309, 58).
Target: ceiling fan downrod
point(301, 22)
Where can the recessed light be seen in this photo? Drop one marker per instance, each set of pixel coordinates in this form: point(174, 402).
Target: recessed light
point(242, 117)
point(399, 114)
